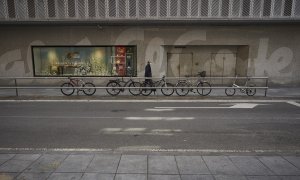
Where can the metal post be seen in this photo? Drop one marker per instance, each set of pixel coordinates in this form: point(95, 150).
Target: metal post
point(16, 85)
point(266, 89)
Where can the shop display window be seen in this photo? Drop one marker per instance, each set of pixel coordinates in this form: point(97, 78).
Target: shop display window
point(84, 61)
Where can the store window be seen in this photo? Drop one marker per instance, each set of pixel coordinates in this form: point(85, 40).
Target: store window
point(84, 61)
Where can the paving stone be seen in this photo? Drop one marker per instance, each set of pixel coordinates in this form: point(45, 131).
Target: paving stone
point(7, 176)
point(133, 164)
point(221, 165)
point(295, 160)
point(46, 163)
point(6, 156)
point(26, 157)
point(191, 165)
point(289, 177)
point(162, 165)
point(229, 177)
point(249, 165)
point(98, 176)
point(104, 164)
point(197, 177)
point(65, 176)
point(2, 161)
point(75, 163)
point(131, 177)
point(14, 166)
point(263, 178)
point(33, 176)
point(279, 165)
point(163, 177)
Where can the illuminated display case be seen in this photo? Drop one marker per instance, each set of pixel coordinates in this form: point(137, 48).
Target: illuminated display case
point(84, 60)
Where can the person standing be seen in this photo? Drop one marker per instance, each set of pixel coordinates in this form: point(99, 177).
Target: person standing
point(148, 73)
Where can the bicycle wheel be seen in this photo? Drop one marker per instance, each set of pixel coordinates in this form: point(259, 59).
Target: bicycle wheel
point(89, 91)
point(204, 91)
point(230, 91)
point(134, 91)
point(181, 91)
point(111, 90)
point(250, 91)
point(67, 91)
point(148, 91)
point(167, 91)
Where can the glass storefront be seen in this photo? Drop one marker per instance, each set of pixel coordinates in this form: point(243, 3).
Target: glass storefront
point(84, 61)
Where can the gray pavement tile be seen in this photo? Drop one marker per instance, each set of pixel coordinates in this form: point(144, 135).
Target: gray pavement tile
point(263, 178)
point(295, 160)
point(104, 164)
point(6, 156)
point(191, 165)
point(132, 164)
point(249, 165)
point(33, 176)
point(26, 157)
point(7, 176)
point(98, 176)
point(197, 177)
point(2, 161)
point(14, 165)
point(131, 177)
point(65, 176)
point(221, 165)
point(230, 177)
point(279, 165)
point(75, 163)
point(46, 163)
point(163, 177)
point(162, 165)
point(289, 177)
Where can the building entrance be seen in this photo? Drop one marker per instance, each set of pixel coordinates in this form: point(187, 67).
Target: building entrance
point(223, 65)
point(179, 64)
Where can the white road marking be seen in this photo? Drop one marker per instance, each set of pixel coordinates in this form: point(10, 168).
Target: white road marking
point(139, 131)
point(293, 103)
point(235, 106)
point(158, 110)
point(159, 118)
point(61, 117)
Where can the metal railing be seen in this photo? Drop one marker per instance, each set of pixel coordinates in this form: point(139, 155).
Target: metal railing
point(15, 84)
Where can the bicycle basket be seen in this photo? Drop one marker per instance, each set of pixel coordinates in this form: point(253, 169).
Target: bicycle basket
point(202, 74)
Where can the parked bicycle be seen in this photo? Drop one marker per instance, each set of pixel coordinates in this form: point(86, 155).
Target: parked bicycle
point(160, 83)
point(204, 87)
point(114, 86)
point(68, 89)
point(247, 88)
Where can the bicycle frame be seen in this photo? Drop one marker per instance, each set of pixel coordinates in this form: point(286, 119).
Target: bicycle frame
point(123, 83)
point(246, 89)
point(243, 90)
point(77, 83)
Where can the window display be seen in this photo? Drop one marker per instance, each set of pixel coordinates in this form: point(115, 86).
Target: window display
point(84, 61)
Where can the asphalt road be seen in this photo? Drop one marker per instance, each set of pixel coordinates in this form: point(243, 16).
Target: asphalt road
point(148, 126)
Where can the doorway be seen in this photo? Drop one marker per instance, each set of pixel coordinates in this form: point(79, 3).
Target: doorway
point(179, 64)
point(223, 65)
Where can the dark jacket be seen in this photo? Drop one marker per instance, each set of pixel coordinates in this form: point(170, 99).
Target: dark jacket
point(148, 72)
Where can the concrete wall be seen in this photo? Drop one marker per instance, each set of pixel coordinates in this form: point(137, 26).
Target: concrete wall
point(271, 50)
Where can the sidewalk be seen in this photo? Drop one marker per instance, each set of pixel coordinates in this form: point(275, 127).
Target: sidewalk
point(90, 166)
point(41, 94)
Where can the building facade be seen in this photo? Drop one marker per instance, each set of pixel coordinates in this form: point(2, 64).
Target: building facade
point(179, 37)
